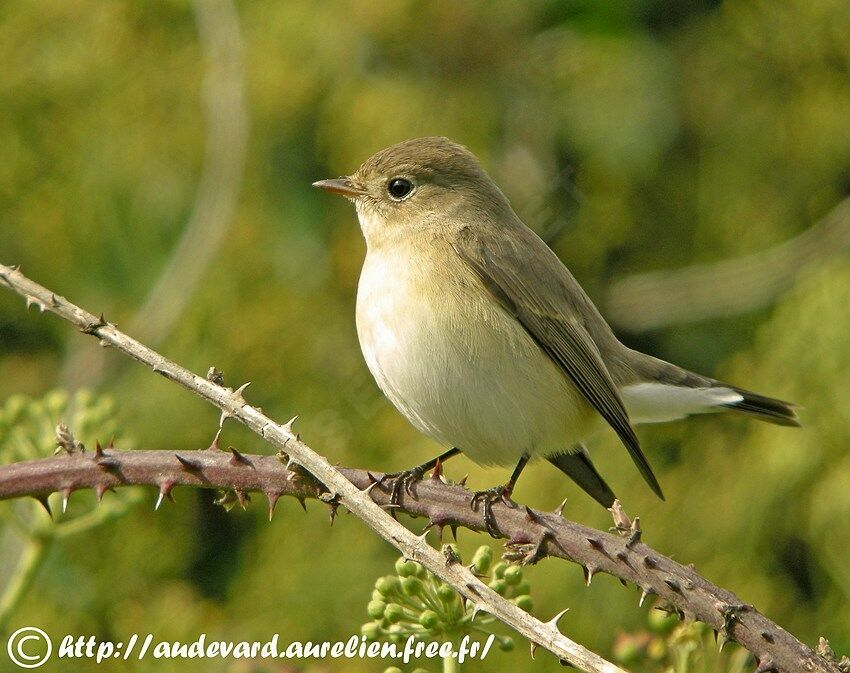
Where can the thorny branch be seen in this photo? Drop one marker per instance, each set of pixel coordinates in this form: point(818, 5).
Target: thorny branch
point(532, 535)
point(337, 490)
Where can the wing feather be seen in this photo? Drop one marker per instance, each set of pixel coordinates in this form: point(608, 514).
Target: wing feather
point(532, 284)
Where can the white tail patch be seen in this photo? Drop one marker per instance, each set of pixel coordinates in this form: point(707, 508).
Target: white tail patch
point(660, 402)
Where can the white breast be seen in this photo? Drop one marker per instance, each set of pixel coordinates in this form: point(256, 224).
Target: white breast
point(458, 367)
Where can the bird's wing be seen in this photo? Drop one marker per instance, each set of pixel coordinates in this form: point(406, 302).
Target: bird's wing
point(532, 284)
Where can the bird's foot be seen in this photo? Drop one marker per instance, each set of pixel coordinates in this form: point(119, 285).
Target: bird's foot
point(486, 499)
point(405, 479)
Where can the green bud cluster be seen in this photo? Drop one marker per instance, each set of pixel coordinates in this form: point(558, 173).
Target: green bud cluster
point(667, 644)
point(28, 424)
point(413, 602)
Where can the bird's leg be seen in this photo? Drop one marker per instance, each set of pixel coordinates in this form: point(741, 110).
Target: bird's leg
point(491, 495)
point(406, 478)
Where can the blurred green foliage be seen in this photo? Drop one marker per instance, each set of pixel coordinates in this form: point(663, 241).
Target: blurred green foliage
point(643, 134)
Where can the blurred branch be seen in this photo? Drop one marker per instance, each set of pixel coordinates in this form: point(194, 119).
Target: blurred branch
point(336, 489)
point(532, 535)
point(651, 300)
point(215, 202)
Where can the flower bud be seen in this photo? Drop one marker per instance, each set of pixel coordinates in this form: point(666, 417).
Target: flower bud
point(513, 575)
point(506, 644)
point(405, 568)
point(387, 585)
point(499, 586)
point(429, 619)
point(656, 650)
point(446, 593)
point(661, 622)
point(412, 586)
point(499, 569)
point(375, 609)
point(523, 602)
point(393, 612)
point(372, 630)
point(482, 559)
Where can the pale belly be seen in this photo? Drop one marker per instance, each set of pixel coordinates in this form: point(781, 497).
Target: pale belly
point(462, 370)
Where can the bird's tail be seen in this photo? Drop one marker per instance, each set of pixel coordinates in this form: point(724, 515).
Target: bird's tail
point(764, 408)
point(664, 392)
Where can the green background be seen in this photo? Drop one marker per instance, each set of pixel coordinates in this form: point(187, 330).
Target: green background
point(638, 135)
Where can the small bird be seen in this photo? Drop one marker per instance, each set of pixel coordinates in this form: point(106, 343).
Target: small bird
point(486, 343)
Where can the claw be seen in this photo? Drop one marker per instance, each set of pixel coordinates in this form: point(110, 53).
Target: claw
point(486, 499)
point(404, 479)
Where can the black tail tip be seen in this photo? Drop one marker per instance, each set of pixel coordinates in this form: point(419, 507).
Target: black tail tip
point(767, 409)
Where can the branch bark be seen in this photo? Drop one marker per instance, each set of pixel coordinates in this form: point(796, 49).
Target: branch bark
point(532, 535)
point(339, 490)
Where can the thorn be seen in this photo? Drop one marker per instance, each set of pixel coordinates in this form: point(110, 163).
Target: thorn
point(215, 445)
point(42, 499)
point(650, 562)
point(644, 592)
point(673, 583)
point(557, 618)
point(595, 543)
point(164, 492)
point(237, 458)
point(107, 465)
point(533, 648)
point(531, 515)
point(374, 482)
point(66, 493)
point(559, 510)
point(767, 637)
point(54, 300)
point(766, 665)
point(453, 529)
point(437, 472)
point(33, 301)
point(288, 425)
point(238, 392)
point(462, 481)
point(301, 502)
point(475, 610)
point(221, 419)
point(243, 498)
point(272, 497)
point(332, 501)
point(111, 442)
point(588, 571)
point(187, 464)
point(98, 451)
point(93, 327)
point(99, 490)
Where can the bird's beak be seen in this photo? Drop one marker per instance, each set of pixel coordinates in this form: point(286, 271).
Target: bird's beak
point(342, 186)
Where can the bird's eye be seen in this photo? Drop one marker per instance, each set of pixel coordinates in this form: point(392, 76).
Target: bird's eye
point(399, 188)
